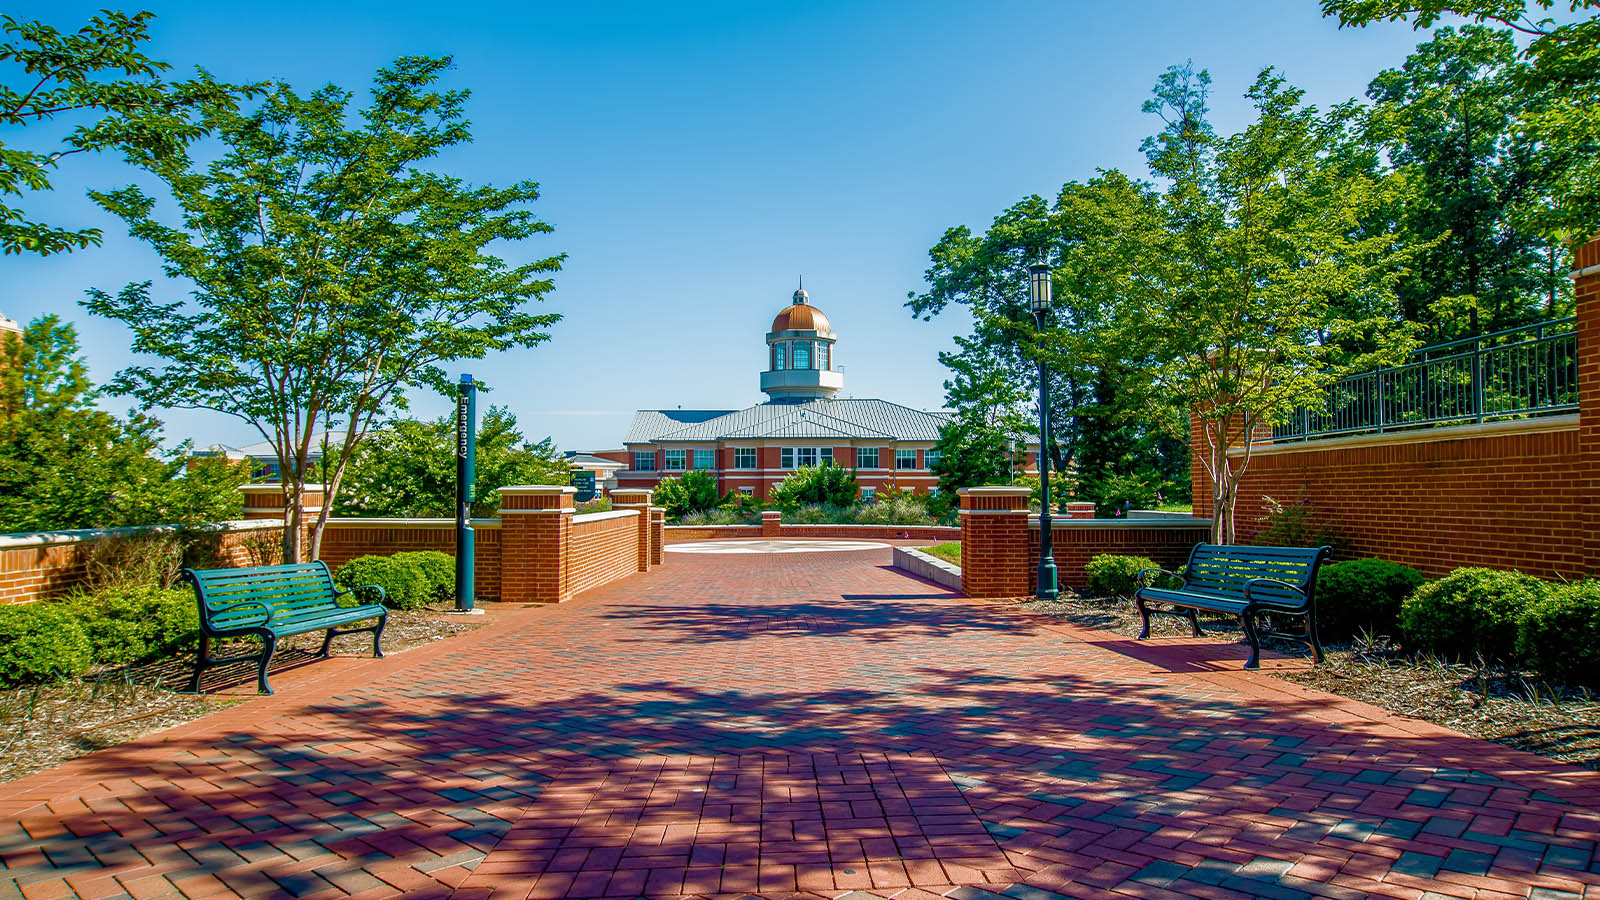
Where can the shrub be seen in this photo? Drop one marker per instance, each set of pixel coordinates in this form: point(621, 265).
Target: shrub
point(437, 569)
point(1112, 574)
point(1559, 636)
point(694, 491)
point(719, 516)
point(826, 484)
point(404, 586)
point(597, 505)
point(1470, 611)
point(1363, 594)
point(127, 624)
point(897, 508)
point(41, 642)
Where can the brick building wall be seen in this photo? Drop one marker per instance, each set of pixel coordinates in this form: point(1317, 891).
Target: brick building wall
point(1166, 542)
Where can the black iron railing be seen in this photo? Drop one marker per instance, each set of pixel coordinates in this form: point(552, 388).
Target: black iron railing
point(1516, 373)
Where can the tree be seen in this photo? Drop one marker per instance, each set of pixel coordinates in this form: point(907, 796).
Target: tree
point(1563, 75)
point(971, 452)
point(694, 491)
point(827, 483)
point(407, 468)
point(1448, 121)
point(65, 463)
point(66, 74)
point(1272, 274)
point(332, 272)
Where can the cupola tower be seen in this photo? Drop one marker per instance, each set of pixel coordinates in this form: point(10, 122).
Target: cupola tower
point(801, 364)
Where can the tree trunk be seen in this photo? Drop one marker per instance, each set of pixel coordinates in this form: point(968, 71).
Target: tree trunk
point(293, 517)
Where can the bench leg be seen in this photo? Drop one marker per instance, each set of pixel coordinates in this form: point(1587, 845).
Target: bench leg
point(327, 644)
point(377, 638)
point(1249, 622)
point(1144, 614)
point(1194, 622)
point(269, 646)
point(1316, 639)
point(200, 657)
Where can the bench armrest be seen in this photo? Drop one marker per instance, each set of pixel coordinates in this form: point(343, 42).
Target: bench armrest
point(266, 619)
point(1250, 586)
point(1139, 579)
point(382, 594)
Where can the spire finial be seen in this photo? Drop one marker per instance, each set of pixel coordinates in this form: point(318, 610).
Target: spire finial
point(800, 296)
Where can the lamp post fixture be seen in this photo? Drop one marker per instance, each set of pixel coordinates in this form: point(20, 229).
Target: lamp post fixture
point(1039, 296)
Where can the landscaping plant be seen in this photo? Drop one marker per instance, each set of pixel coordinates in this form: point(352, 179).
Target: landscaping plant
point(1110, 574)
point(41, 642)
point(131, 624)
point(1362, 594)
point(1559, 635)
point(405, 585)
point(1470, 612)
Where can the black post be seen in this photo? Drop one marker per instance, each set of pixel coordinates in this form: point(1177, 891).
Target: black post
point(1049, 588)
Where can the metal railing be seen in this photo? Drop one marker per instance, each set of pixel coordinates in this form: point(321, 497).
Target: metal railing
point(1515, 373)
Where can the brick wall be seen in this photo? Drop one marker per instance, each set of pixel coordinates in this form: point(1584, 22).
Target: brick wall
point(41, 566)
point(605, 547)
point(346, 539)
point(1076, 541)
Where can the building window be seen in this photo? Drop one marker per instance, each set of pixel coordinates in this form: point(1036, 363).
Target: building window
point(777, 357)
point(822, 355)
point(805, 456)
point(788, 458)
point(932, 457)
point(644, 461)
point(705, 459)
point(747, 490)
point(675, 460)
point(825, 455)
point(903, 459)
point(869, 494)
point(933, 491)
point(744, 458)
point(802, 354)
point(866, 457)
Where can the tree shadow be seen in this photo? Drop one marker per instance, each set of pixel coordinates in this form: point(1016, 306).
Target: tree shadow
point(1075, 774)
point(875, 618)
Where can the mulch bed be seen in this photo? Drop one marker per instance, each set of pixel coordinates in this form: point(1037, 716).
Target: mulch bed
point(47, 725)
point(1490, 702)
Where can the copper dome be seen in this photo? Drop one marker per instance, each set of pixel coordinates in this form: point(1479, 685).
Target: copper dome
point(800, 317)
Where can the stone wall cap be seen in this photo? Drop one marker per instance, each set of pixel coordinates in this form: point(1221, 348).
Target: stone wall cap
point(1123, 524)
point(997, 490)
point(392, 522)
point(264, 487)
point(76, 535)
point(602, 516)
point(538, 489)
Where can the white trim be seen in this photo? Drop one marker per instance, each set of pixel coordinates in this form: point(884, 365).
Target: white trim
point(992, 512)
point(380, 522)
point(1124, 523)
point(517, 489)
point(567, 511)
point(1586, 270)
point(18, 539)
point(602, 516)
point(1543, 424)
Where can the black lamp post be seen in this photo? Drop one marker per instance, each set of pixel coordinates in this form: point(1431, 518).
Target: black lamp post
point(1039, 294)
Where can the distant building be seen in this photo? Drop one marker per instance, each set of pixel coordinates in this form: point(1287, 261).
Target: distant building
point(803, 423)
point(605, 469)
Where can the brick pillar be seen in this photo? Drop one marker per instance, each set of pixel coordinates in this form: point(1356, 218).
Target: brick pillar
point(1587, 289)
point(994, 541)
point(658, 533)
point(535, 539)
point(1078, 509)
point(771, 523)
point(638, 500)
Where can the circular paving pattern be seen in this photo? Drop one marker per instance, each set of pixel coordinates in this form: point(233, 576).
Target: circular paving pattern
point(773, 546)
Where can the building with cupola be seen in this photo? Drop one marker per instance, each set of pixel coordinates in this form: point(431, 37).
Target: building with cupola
point(804, 422)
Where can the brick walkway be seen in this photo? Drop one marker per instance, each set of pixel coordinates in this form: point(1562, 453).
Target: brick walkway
point(811, 723)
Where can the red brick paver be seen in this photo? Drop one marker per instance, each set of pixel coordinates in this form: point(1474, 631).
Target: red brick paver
point(813, 725)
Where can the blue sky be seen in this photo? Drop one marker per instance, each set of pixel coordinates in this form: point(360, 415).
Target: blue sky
point(696, 158)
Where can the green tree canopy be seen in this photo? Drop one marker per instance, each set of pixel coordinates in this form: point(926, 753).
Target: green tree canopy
point(827, 483)
point(972, 452)
point(331, 270)
point(694, 491)
point(98, 70)
point(407, 467)
point(66, 463)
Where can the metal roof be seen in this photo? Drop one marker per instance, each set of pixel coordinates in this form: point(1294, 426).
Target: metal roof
point(849, 419)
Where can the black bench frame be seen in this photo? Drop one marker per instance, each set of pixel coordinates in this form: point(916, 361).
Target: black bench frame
point(1249, 582)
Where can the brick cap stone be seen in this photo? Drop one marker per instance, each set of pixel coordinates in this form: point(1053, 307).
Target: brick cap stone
point(771, 513)
point(538, 489)
point(997, 490)
point(272, 487)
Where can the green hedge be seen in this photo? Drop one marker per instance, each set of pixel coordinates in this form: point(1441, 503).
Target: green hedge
point(41, 642)
point(1363, 594)
point(1470, 612)
point(1109, 574)
point(1559, 635)
point(410, 580)
point(127, 625)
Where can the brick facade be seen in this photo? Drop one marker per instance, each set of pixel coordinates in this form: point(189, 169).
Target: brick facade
point(1518, 494)
point(1166, 542)
point(994, 538)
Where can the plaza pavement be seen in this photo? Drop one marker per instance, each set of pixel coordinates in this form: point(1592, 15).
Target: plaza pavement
point(815, 725)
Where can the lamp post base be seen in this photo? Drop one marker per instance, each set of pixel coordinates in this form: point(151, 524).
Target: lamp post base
point(1049, 586)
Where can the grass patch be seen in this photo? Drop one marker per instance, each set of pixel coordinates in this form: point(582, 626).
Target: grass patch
point(950, 553)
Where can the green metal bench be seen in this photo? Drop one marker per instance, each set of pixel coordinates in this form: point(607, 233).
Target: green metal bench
point(271, 602)
point(1247, 582)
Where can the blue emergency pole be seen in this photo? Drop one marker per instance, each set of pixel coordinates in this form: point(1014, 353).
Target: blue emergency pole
point(466, 475)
